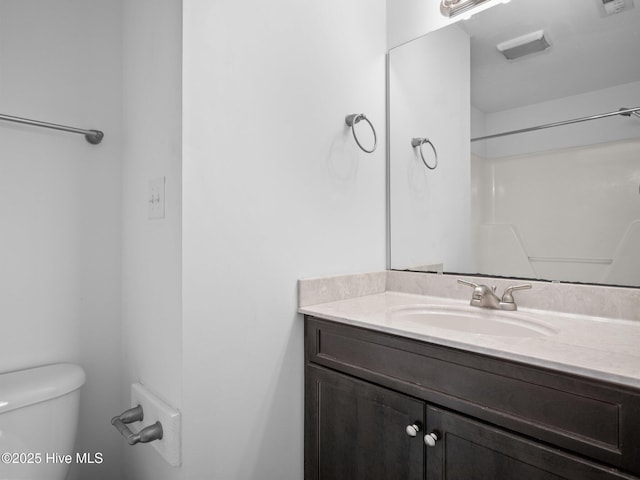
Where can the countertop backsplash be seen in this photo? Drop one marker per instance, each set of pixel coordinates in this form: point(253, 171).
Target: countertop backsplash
point(593, 300)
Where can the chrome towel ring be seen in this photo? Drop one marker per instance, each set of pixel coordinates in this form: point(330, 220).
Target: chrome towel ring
point(418, 143)
point(351, 121)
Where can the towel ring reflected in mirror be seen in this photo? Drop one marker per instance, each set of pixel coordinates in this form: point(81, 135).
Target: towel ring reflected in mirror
point(351, 121)
point(418, 142)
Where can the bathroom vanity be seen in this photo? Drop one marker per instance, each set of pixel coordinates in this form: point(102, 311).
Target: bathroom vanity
point(388, 398)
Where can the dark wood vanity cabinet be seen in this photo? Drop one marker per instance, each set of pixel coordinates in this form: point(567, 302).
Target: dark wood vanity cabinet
point(487, 418)
point(359, 430)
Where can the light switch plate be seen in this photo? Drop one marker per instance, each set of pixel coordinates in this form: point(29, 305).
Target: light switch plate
point(154, 409)
point(155, 198)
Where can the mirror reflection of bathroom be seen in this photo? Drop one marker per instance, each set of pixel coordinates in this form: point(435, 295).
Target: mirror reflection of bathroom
point(560, 199)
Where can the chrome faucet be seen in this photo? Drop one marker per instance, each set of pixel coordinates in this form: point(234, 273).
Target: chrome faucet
point(485, 297)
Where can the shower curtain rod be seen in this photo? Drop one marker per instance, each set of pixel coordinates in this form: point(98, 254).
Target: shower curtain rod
point(94, 137)
point(623, 111)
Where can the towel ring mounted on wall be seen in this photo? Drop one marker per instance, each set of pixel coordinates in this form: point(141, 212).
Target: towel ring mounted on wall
point(418, 143)
point(351, 121)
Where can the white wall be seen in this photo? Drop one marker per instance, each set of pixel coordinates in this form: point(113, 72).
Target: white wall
point(151, 249)
point(60, 203)
point(274, 189)
point(430, 208)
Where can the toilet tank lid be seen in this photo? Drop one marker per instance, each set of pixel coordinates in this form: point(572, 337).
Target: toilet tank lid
point(26, 387)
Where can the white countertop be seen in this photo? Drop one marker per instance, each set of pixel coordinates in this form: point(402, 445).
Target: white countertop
point(602, 348)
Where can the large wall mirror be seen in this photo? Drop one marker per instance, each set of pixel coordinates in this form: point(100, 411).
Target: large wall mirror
point(559, 203)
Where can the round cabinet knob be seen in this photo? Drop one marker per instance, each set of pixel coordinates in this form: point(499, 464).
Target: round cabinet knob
point(412, 430)
point(430, 439)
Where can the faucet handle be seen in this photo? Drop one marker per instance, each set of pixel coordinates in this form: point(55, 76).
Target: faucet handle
point(507, 296)
point(468, 284)
point(475, 285)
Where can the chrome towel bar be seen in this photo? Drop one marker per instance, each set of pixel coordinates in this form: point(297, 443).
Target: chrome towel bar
point(94, 137)
point(135, 414)
point(351, 121)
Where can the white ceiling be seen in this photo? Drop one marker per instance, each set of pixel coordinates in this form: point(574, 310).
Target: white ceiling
point(589, 51)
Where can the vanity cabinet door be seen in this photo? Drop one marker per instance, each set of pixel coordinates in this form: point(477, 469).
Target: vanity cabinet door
point(357, 431)
point(471, 450)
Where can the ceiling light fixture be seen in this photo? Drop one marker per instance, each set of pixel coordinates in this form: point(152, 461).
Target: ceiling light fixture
point(450, 8)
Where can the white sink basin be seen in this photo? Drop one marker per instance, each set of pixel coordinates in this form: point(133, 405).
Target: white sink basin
point(469, 319)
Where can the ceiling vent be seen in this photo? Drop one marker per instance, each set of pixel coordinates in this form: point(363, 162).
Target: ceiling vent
point(525, 45)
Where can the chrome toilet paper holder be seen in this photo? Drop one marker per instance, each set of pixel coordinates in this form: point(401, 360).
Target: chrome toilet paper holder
point(135, 414)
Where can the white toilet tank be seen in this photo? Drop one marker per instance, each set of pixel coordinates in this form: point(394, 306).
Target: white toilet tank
point(38, 420)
